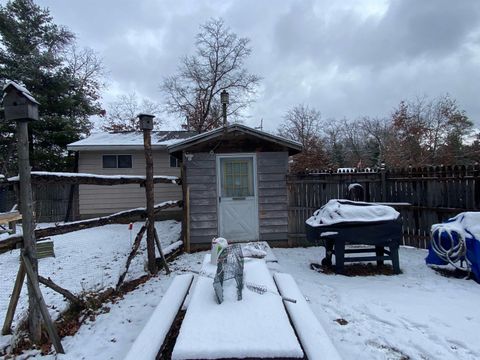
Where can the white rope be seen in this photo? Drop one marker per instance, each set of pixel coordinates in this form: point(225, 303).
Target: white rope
point(454, 253)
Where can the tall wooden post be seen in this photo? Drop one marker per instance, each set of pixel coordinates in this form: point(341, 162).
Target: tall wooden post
point(21, 107)
point(383, 179)
point(146, 124)
point(29, 241)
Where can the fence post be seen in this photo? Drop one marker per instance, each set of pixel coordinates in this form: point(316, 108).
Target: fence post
point(21, 107)
point(383, 178)
point(476, 176)
point(146, 124)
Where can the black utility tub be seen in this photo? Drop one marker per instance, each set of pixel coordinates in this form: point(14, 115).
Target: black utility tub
point(380, 234)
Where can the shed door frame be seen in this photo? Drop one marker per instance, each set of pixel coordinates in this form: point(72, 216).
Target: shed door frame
point(253, 156)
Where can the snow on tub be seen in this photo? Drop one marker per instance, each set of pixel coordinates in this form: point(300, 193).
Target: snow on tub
point(341, 222)
point(342, 211)
point(255, 327)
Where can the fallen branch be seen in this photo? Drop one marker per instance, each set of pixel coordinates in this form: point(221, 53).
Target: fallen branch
point(45, 177)
point(11, 242)
point(67, 294)
point(136, 245)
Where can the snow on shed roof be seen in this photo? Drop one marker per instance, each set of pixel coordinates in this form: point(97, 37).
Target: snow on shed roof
point(181, 145)
point(22, 89)
point(128, 140)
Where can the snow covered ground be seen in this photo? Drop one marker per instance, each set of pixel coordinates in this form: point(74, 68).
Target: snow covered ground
point(86, 260)
point(418, 314)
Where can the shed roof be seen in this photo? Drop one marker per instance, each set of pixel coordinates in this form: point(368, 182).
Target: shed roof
point(129, 140)
point(292, 146)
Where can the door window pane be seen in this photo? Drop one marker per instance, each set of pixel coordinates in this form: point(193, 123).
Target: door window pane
point(109, 161)
point(237, 177)
point(124, 161)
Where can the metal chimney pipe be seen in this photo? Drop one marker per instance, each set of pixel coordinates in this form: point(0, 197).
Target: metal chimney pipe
point(224, 99)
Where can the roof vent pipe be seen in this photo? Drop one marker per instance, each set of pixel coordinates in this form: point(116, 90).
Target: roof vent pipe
point(224, 99)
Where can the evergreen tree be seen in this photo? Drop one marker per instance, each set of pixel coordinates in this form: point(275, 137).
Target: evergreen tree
point(41, 55)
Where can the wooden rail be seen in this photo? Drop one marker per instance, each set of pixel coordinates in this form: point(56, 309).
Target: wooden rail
point(13, 241)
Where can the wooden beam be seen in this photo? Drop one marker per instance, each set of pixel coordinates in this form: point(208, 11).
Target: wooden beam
point(52, 331)
point(159, 246)
point(150, 197)
point(136, 245)
point(67, 294)
point(45, 177)
point(12, 306)
point(11, 242)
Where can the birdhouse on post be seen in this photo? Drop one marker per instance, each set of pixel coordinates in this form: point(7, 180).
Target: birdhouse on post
point(19, 103)
point(146, 121)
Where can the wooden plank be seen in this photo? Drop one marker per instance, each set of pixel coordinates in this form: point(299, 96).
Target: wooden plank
point(204, 232)
point(203, 194)
point(314, 339)
point(203, 224)
point(203, 216)
point(274, 221)
point(201, 171)
point(273, 200)
point(7, 217)
point(148, 343)
point(282, 236)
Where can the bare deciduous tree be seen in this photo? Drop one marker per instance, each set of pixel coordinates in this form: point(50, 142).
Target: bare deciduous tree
point(122, 113)
point(428, 131)
point(219, 64)
point(303, 124)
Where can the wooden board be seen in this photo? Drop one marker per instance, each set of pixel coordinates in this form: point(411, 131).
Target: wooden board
point(7, 217)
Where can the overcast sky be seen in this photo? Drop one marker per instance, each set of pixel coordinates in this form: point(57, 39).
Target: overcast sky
point(345, 58)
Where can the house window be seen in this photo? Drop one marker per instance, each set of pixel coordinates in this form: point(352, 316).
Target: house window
point(117, 161)
point(124, 161)
point(174, 162)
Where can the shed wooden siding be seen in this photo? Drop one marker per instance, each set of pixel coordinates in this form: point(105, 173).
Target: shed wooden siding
point(96, 199)
point(272, 191)
point(201, 177)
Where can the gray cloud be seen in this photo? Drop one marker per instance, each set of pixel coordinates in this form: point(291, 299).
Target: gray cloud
point(348, 58)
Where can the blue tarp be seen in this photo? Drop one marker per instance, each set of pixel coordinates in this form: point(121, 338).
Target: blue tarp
point(465, 225)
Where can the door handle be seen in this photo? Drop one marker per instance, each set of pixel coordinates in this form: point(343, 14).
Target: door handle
point(238, 198)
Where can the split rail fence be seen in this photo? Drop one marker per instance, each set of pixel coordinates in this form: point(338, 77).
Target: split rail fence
point(423, 196)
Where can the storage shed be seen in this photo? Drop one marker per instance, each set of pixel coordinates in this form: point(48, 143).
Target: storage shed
point(234, 184)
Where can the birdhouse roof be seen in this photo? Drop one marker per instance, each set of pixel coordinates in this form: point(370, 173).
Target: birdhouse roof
point(21, 89)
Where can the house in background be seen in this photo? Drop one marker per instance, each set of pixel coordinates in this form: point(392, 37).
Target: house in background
point(122, 154)
point(235, 185)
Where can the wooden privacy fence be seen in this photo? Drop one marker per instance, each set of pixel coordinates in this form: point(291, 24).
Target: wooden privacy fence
point(52, 202)
point(423, 196)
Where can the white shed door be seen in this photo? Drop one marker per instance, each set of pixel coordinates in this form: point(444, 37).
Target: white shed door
point(237, 201)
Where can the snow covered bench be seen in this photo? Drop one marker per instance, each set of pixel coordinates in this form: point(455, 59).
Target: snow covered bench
point(147, 344)
point(255, 327)
point(315, 341)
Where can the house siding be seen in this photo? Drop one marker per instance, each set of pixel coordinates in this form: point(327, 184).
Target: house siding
point(272, 191)
point(200, 174)
point(97, 200)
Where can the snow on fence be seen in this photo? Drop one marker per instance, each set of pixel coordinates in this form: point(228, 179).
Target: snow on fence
point(56, 193)
point(11, 242)
point(423, 196)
